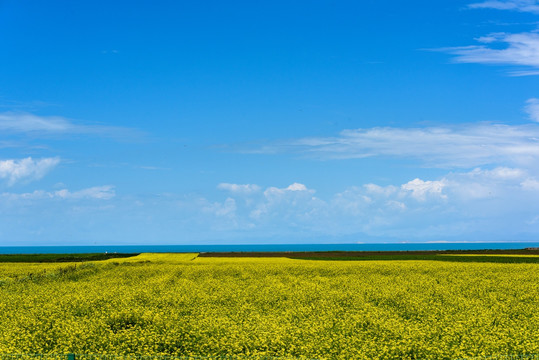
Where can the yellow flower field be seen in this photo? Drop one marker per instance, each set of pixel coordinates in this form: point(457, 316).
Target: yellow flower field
point(182, 304)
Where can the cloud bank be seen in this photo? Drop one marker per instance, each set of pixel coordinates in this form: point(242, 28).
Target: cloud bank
point(486, 201)
point(483, 204)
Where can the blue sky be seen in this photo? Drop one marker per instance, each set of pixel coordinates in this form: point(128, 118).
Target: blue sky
point(268, 122)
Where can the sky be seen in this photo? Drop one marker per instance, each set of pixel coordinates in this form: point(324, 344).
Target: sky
point(257, 122)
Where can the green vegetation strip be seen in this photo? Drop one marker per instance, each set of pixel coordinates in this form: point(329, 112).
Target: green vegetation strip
point(52, 258)
point(496, 256)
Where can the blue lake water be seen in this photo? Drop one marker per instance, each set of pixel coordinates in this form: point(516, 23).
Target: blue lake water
point(262, 247)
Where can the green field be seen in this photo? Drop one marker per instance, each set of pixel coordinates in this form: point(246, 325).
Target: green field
point(433, 306)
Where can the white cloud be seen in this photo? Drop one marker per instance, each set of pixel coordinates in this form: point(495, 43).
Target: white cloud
point(26, 169)
point(468, 145)
point(530, 184)
point(105, 192)
point(396, 205)
point(421, 189)
point(225, 209)
point(518, 49)
point(22, 122)
point(532, 108)
point(477, 184)
point(502, 173)
point(295, 187)
point(295, 202)
point(351, 202)
point(239, 188)
point(26, 122)
point(377, 189)
point(524, 73)
point(518, 5)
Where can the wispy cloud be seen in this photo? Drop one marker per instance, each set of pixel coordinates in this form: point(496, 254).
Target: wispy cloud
point(105, 192)
point(6, 103)
point(26, 169)
point(443, 146)
point(517, 50)
point(23, 122)
point(517, 5)
point(532, 108)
